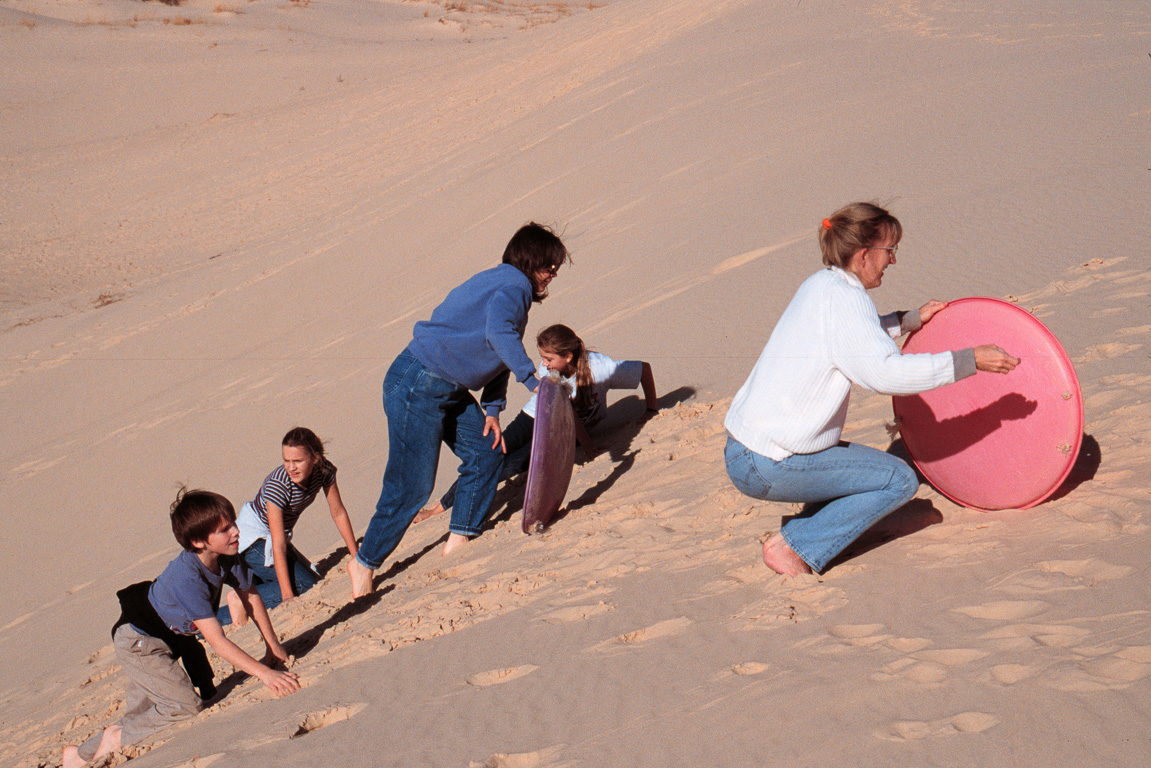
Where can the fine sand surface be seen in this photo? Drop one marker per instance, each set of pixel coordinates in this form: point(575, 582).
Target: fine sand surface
point(221, 219)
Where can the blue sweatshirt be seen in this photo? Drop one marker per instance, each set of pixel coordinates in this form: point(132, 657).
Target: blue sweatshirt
point(475, 337)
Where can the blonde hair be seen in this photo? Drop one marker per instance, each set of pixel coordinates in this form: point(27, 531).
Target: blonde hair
point(856, 226)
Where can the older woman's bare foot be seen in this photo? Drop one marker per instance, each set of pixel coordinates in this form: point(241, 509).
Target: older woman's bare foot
point(454, 542)
point(781, 558)
point(361, 578)
point(237, 609)
point(424, 514)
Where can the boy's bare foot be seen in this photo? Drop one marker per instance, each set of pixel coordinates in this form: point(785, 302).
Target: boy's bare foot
point(454, 542)
point(72, 758)
point(109, 742)
point(237, 609)
point(361, 578)
point(781, 558)
point(424, 514)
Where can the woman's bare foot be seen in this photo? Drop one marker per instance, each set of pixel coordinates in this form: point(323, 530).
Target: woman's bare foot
point(781, 558)
point(361, 578)
point(454, 542)
point(237, 609)
point(424, 514)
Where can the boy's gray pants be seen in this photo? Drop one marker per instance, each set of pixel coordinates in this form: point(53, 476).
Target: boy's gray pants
point(159, 690)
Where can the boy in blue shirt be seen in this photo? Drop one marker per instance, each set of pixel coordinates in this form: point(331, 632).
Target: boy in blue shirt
point(159, 620)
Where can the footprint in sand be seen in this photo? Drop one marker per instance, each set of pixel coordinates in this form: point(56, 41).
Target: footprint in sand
point(201, 762)
point(952, 657)
point(576, 613)
point(1089, 571)
point(858, 634)
point(1020, 637)
point(324, 718)
point(749, 668)
point(541, 759)
point(922, 672)
point(1009, 674)
point(497, 676)
point(1005, 610)
point(915, 730)
point(1111, 672)
point(647, 634)
point(797, 599)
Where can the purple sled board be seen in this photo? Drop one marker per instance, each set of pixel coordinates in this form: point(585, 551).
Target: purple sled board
point(994, 441)
point(552, 456)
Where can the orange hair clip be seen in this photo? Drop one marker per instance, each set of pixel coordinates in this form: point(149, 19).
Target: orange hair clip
point(827, 223)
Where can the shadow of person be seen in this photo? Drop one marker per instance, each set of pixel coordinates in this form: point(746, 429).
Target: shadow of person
point(622, 423)
point(304, 642)
point(912, 517)
point(1086, 465)
point(592, 494)
point(625, 419)
point(962, 431)
point(330, 560)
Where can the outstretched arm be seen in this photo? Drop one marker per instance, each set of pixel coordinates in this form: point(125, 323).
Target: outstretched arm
point(281, 683)
point(647, 381)
point(341, 518)
point(280, 550)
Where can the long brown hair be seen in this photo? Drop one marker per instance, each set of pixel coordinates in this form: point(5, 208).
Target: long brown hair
point(561, 340)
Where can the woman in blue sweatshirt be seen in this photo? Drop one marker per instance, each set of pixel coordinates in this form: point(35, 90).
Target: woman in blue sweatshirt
point(473, 341)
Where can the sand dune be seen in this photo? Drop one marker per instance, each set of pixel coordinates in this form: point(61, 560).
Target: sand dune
point(221, 219)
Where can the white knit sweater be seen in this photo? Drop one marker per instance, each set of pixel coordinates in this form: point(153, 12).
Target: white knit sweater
point(830, 336)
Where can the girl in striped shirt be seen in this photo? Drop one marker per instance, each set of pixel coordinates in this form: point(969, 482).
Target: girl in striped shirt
point(266, 523)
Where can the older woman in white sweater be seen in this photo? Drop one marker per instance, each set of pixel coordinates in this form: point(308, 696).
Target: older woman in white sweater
point(785, 422)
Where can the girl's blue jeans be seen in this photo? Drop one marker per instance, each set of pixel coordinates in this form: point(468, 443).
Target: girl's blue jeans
point(518, 441)
point(856, 486)
point(423, 411)
point(266, 582)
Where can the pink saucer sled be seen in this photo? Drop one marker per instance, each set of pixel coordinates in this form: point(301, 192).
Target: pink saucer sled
point(994, 441)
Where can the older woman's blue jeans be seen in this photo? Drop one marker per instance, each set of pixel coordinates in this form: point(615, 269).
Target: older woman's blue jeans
point(857, 486)
point(424, 410)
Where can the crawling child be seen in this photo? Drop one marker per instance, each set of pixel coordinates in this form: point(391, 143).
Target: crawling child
point(159, 621)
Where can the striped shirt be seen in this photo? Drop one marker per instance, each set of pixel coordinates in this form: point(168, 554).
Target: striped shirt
point(279, 489)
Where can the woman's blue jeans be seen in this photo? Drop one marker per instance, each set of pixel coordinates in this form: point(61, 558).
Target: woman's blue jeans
point(859, 486)
point(424, 410)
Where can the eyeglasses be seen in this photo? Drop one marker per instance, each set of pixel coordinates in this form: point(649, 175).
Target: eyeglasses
point(892, 248)
point(553, 270)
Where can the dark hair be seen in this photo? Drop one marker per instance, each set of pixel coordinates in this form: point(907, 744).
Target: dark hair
point(302, 437)
point(561, 340)
point(855, 226)
point(197, 513)
point(532, 248)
